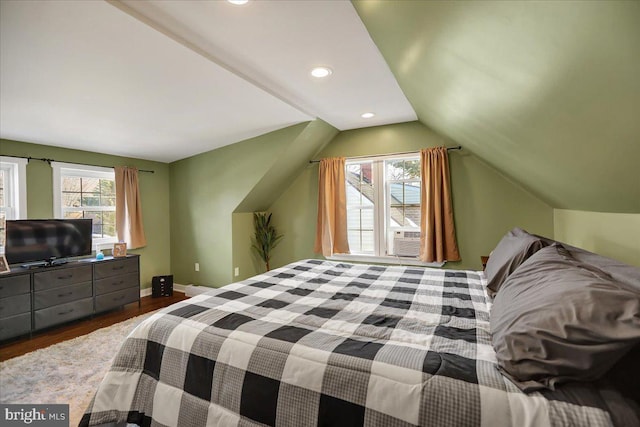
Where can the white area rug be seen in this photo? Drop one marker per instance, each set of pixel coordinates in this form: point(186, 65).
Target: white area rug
point(67, 372)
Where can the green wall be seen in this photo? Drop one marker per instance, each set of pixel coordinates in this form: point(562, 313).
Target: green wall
point(614, 235)
point(486, 204)
point(205, 191)
point(154, 188)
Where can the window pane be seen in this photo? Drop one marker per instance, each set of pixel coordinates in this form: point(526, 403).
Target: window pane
point(73, 214)
point(71, 200)
point(91, 199)
point(108, 201)
point(395, 169)
point(404, 209)
point(403, 169)
point(109, 223)
point(360, 196)
point(90, 185)
point(71, 183)
point(353, 170)
point(107, 188)
point(353, 236)
point(412, 169)
point(367, 242)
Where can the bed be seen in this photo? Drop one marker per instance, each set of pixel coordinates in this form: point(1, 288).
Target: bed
point(334, 344)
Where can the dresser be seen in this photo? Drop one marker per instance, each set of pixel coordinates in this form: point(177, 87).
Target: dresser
point(40, 298)
point(15, 305)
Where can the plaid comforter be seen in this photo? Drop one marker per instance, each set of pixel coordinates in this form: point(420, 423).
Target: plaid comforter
point(327, 344)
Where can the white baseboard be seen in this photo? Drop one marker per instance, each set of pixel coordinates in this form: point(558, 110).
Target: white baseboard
point(147, 291)
point(193, 290)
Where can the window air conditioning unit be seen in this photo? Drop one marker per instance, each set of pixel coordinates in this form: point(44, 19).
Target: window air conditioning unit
point(406, 243)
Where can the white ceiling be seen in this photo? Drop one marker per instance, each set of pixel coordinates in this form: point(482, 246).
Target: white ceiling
point(167, 80)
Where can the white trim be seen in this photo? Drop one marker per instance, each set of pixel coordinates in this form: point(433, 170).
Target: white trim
point(19, 166)
point(381, 208)
point(384, 260)
point(108, 172)
point(379, 212)
point(72, 169)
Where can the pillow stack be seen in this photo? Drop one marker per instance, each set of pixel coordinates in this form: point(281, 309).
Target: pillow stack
point(557, 319)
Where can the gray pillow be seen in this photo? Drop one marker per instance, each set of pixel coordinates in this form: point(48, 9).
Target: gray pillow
point(514, 248)
point(557, 319)
point(619, 271)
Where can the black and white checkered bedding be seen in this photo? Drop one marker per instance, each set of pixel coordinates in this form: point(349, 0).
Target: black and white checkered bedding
point(327, 344)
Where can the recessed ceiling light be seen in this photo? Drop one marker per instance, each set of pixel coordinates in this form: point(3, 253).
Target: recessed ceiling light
point(238, 2)
point(367, 115)
point(321, 72)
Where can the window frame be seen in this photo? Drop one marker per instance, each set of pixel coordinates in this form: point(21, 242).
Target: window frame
point(60, 170)
point(17, 168)
point(15, 191)
point(381, 213)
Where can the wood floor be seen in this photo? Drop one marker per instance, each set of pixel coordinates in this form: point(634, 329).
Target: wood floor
point(71, 330)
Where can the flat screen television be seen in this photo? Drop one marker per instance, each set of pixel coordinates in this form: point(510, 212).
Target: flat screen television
point(47, 241)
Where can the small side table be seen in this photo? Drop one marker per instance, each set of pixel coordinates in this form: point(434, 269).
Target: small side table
point(484, 260)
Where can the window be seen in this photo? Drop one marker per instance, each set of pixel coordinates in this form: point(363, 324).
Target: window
point(383, 205)
point(86, 192)
point(13, 191)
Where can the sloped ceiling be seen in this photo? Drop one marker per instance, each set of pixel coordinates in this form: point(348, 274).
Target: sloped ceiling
point(165, 80)
point(546, 92)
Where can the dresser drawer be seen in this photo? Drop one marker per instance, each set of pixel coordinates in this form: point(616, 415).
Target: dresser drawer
point(16, 304)
point(61, 277)
point(15, 325)
point(63, 313)
point(116, 283)
point(116, 299)
point(51, 297)
point(116, 267)
point(14, 285)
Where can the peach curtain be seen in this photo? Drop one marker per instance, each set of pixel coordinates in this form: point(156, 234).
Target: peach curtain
point(128, 208)
point(331, 230)
point(437, 231)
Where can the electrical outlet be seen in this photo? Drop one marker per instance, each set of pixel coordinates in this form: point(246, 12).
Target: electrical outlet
point(236, 272)
point(197, 266)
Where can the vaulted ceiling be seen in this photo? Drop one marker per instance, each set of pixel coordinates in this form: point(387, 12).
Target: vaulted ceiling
point(548, 93)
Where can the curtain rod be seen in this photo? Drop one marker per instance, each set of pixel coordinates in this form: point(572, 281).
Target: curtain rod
point(73, 163)
point(458, 147)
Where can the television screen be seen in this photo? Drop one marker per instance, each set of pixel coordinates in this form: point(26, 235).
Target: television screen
point(46, 239)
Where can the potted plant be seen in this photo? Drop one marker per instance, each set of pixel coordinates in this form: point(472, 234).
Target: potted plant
point(266, 238)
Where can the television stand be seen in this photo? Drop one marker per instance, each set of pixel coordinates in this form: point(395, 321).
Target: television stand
point(42, 297)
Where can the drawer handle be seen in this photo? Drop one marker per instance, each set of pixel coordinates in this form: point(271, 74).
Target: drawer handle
point(118, 268)
point(65, 295)
point(68, 276)
point(119, 298)
point(117, 283)
point(65, 312)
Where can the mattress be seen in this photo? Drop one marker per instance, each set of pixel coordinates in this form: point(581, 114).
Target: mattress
point(330, 344)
